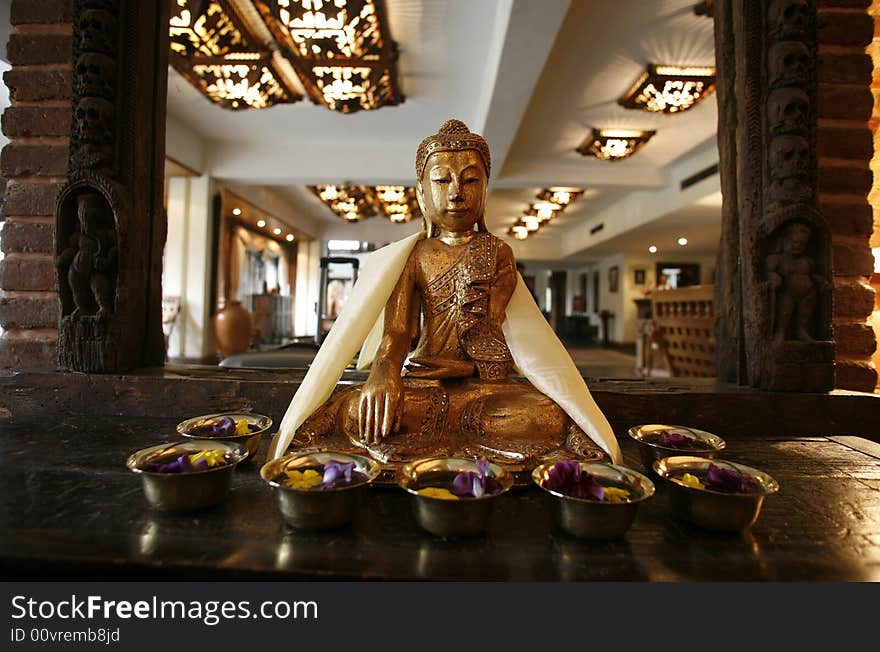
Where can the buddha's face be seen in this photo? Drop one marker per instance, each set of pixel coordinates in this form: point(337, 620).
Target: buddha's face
point(452, 190)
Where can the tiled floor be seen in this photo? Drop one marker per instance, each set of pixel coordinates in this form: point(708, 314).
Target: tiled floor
point(596, 362)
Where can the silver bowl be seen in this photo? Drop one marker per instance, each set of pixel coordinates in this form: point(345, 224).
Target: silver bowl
point(705, 443)
point(186, 492)
point(713, 510)
point(251, 440)
point(313, 509)
point(465, 516)
point(595, 519)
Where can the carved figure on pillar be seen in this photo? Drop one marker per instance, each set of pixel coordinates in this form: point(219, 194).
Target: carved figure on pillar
point(108, 220)
point(792, 274)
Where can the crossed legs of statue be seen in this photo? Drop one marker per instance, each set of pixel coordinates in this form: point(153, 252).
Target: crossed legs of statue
point(507, 421)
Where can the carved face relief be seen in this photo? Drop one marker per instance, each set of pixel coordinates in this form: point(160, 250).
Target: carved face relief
point(788, 110)
point(787, 18)
point(95, 75)
point(789, 157)
point(452, 190)
point(97, 31)
point(796, 237)
point(789, 64)
point(94, 120)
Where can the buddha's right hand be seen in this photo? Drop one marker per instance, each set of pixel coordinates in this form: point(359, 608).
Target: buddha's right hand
point(379, 407)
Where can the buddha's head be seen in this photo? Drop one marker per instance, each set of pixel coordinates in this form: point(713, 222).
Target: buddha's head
point(452, 174)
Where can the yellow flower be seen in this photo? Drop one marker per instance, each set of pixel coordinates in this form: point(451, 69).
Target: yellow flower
point(302, 480)
point(241, 427)
point(689, 480)
point(437, 492)
point(213, 456)
point(616, 495)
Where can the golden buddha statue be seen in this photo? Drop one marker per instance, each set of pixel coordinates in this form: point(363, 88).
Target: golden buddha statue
point(451, 319)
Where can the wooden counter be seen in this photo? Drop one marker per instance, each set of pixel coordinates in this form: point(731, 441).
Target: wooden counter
point(70, 509)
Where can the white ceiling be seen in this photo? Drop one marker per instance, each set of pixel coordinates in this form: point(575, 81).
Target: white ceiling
point(532, 77)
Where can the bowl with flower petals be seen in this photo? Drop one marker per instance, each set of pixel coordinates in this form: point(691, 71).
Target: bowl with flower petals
point(593, 500)
point(453, 496)
point(715, 494)
point(242, 427)
point(319, 491)
point(657, 441)
point(187, 475)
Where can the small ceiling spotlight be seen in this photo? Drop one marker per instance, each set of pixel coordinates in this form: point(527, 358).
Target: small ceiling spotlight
point(276, 231)
point(614, 144)
point(261, 223)
point(682, 241)
point(289, 237)
point(652, 249)
point(236, 211)
point(669, 89)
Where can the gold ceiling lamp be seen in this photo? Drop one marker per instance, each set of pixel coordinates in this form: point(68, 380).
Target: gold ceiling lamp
point(351, 203)
point(340, 49)
point(213, 49)
point(670, 89)
point(561, 196)
point(551, 203)
point(354, 203)
point(399, 203)
point(614, 144)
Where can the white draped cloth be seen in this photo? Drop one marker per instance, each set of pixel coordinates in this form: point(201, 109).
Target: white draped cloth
point(537, 352)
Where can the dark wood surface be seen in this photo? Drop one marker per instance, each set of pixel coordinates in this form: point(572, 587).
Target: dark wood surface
point(69, 508)
point(191, 389)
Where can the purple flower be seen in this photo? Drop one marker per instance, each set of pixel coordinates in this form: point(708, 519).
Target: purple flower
point(336, 473)
point(181, 465)
point(473, 484)
point(567, 477)
point(563, 475)
point(720, 479)
point(224, 427)
point(674, 440)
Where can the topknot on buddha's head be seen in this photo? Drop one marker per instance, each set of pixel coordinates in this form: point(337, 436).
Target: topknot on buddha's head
point(453, 135)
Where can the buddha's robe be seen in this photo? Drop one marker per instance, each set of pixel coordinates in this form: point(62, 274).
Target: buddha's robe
point(457, 396)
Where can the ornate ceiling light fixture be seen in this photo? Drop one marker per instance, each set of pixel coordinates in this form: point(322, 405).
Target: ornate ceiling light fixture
point(340, 49)
point(212, 47)
point(614, 144)
point(561, 196)
point(248, 53)
point(399, 203)
point(355, 203)
point(670, 89)
point(551, 203)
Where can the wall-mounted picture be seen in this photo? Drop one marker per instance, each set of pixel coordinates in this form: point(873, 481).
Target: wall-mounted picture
point(613, 278)
point(639, 277)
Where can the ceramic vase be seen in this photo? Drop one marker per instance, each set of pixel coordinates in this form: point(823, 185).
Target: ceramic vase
point(232, 326)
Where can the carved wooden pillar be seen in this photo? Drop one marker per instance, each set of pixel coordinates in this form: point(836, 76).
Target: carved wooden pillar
point(783, 243)
point(109, 222)
point(728, 327)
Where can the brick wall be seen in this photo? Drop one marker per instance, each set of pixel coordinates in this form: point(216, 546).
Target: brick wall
point(846, 147)
point(35, 164)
